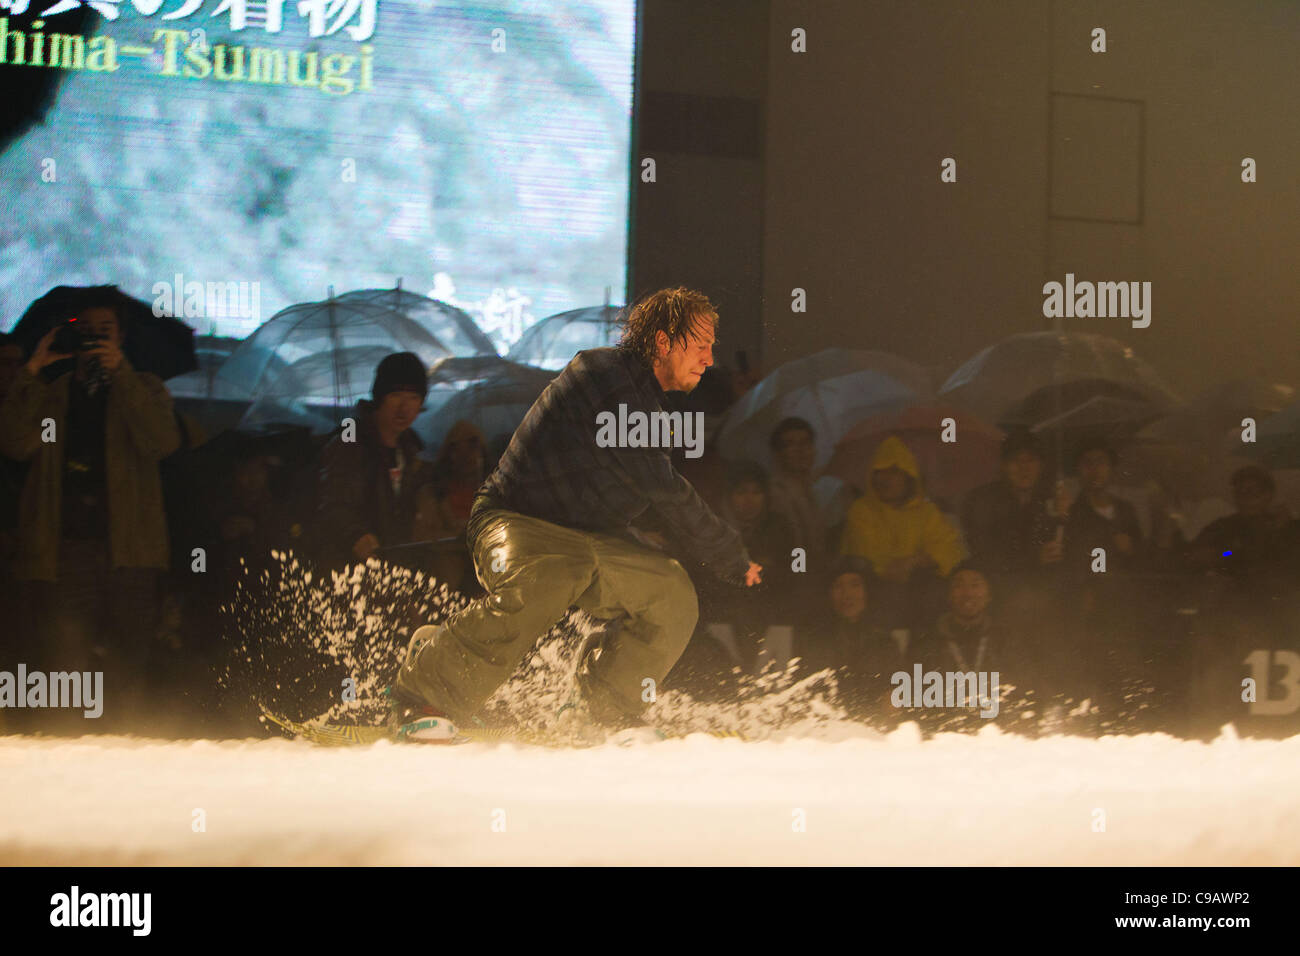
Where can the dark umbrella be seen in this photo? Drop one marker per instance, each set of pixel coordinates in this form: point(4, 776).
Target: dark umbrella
point(1076, 413)
point(153, 343)
point(1194, 449)
point(1010, 371)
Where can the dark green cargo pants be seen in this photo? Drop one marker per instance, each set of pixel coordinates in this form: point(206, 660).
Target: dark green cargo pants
point(533, 572)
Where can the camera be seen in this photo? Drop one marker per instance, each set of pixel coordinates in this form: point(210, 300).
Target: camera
point(74, 336)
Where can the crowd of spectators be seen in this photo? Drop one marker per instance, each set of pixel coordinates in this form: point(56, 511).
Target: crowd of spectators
point(1062, 594)
point(111, 501)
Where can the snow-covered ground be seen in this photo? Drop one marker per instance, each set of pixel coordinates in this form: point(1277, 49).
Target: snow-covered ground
point(862, 798)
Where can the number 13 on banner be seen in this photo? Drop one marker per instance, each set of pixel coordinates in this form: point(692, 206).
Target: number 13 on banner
point(1269, 706)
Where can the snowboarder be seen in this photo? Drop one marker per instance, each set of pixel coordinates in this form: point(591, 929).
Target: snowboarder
point(549, 530)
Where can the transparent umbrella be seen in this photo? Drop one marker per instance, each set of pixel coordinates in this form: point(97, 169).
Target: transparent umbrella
point(556, 339)
point(490, 392)
point(834, 390)
point(343, 341)
point(451, 326)
point(211, 352)
point(991, 382)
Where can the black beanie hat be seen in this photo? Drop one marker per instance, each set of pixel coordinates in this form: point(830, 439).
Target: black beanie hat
point(401, 371)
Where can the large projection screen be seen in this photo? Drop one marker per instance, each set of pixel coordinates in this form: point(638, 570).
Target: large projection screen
point(478, 151)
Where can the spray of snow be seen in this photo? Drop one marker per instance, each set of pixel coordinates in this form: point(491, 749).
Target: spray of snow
point(326, 647)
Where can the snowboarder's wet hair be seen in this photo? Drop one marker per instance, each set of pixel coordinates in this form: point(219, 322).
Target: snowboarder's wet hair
point(678, 313)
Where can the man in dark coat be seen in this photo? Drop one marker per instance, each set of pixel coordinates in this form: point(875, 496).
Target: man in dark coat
point(1100, 519)
point(1014, 532)
point(549, 530)
point(373, 482)
point(1008, 525)
point(1255, 548)
point(1106, 606)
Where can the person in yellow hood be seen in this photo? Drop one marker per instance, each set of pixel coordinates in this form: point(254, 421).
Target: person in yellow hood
point(895, 527)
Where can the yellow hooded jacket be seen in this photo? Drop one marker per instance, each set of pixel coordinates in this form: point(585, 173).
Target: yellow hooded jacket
point(882, 534)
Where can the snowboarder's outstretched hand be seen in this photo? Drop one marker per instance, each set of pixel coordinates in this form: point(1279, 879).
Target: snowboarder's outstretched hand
point(754, 575)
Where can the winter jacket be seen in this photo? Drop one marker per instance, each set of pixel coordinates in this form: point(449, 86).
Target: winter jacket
point(356, 490)
point(957, 645)
point(1087, 529)
point(882, 533)
point(954, 646)
point(1004, 534)
point(140, 430)
point(554, 469)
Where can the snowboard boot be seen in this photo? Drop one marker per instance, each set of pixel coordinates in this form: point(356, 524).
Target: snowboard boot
point(413, 720)
point(589, 717)
point(418, 723)
point(423, 636)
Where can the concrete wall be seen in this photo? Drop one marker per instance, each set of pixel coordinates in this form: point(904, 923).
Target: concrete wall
point(703, 79)
point(892, 258)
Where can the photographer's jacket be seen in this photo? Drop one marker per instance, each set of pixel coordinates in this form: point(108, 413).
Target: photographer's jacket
point(139, 431)
point(555, 470)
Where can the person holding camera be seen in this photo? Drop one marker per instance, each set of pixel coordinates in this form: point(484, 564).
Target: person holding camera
point(92, 535)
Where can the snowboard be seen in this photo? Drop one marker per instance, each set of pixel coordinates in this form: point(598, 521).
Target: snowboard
point(328, 734)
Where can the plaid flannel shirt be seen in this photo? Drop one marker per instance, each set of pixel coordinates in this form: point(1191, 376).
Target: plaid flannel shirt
point(553, 468)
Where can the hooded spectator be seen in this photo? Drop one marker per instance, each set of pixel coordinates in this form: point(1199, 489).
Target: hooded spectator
point(904, 536)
